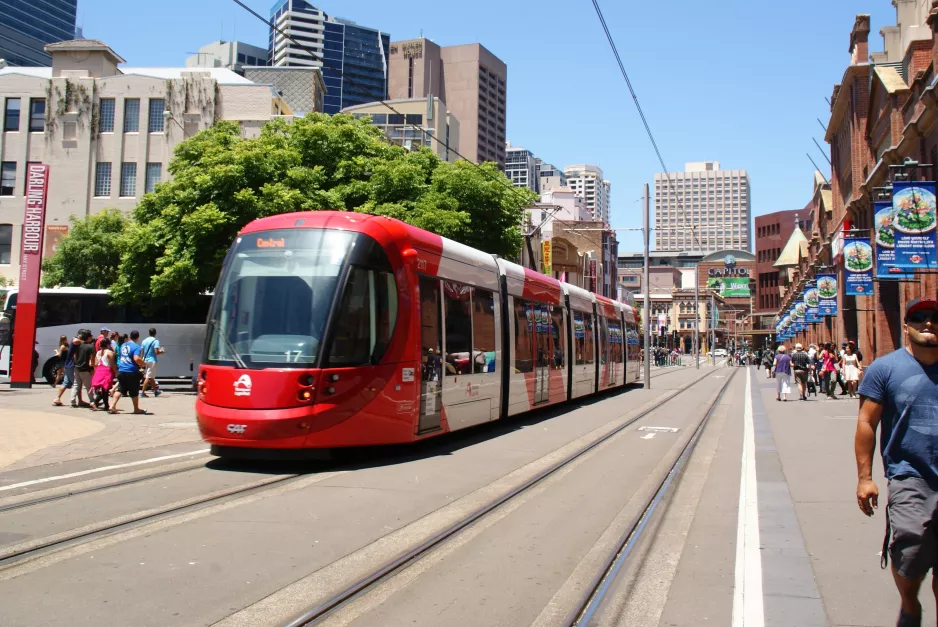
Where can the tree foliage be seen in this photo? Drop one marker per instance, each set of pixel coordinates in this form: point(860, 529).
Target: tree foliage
point(90, 254)
point(178, 236)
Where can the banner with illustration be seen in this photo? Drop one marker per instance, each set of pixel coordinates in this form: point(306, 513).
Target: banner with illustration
point(858, 266)
point(885, 240)
point(729, 287)
point(811, 313)
point(914, 221)
point(801, 323)
point(827, 294)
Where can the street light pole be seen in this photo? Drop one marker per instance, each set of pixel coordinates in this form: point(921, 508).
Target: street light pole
point(646, 322)
point(697, 315)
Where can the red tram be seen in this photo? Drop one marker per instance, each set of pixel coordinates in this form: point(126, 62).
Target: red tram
point(334, 329)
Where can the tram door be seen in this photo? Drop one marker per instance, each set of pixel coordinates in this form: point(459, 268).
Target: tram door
point(543, 353)
point(614, 359)
point(431, 367)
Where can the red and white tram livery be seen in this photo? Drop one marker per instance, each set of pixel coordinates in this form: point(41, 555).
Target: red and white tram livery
point(334, 329)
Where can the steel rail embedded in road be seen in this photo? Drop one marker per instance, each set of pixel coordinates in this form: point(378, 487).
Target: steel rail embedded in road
point(599, 587)
point(107, 486)
point(27, 551)
point(324, 609)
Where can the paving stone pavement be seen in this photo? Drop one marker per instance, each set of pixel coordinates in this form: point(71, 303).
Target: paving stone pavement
point(37, 433)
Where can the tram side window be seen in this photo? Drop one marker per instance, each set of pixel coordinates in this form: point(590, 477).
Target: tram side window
point(430, 328)
point(584, 339)
point(365, 318)
point(483, 331)
point(559, 337)
point(615, 341)
point(524, 332)
point(457, 310)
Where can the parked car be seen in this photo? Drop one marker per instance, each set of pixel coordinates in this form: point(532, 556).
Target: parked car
point(719, 352)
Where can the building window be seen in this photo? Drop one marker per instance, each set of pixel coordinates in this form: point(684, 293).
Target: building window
point(37, 115)
point(128, 179)
point(132, 115)
point(155, 120)
point(154, 172)
point(11, 118)
point(7, 178)
point(102, 180)
point(106, 115)
point(6, 244)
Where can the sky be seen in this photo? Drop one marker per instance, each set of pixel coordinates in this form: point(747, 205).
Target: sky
point(734, 81)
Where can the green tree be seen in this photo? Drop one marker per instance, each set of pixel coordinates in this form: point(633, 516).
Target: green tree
point(89, 255)
point(221, 181)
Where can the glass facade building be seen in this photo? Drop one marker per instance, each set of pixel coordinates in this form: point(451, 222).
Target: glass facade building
point(353, 58)
point(26, 26)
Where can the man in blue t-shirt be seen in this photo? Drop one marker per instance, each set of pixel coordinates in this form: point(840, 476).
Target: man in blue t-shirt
point(900, 392)
point(129, 363)
point(151, 350)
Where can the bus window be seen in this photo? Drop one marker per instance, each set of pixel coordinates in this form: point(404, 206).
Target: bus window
point(58, 309)
point(483, 331)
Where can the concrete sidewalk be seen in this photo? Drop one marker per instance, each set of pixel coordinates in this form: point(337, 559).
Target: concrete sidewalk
point(36, 433)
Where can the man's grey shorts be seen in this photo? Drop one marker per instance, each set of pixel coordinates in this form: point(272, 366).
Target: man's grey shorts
point(914, 521)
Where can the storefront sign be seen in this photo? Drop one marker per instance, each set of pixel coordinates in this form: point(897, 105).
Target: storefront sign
point(24, 331)
point(885, 240)
point(547, 256)
point(858, 266)
point(914, 221)
point(593, 275)
point(827, 294)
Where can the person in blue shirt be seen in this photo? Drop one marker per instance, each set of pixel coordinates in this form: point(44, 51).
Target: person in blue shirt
point(129, 363)
point(900, 394)
point(151, 350)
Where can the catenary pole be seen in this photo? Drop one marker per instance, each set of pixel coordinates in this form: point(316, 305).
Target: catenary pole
point(646, 319)
point(697, 315)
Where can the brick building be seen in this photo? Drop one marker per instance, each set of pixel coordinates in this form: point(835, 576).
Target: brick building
point(772, 231)
point(883, 113)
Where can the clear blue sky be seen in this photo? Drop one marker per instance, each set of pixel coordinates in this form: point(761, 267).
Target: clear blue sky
point(735, 81)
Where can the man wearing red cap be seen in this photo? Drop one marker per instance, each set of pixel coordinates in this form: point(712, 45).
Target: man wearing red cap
point(900, 392)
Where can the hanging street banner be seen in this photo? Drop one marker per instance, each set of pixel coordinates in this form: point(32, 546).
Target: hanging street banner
point(800, 314)
point(913, 223)
point(827, 294)
point(729, 287)
point(811, 313)
point(885, 240)
point(547, 257)
point(858, 264)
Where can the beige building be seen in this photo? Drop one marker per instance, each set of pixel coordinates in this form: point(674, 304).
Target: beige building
point(399, 127)
point(716, 202)
point(587, 181)
point(469, 79)
point(302, 88)
point(107, 132)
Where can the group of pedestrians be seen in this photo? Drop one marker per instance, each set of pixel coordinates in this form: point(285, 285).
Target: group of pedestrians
point(819, 368)
point(107, 368)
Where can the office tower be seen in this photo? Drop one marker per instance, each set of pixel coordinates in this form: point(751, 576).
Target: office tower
point(353, 58)
point(715, 202)
point(468, 78)
point(233, 55)
point(587, 181)
point(27, 26)
point(521, 167)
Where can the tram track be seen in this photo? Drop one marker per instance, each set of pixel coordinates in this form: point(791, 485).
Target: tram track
point(327, 607)
point(19, 554)
point(589, 608)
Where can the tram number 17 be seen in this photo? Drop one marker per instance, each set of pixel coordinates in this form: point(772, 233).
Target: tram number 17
point(293, 356)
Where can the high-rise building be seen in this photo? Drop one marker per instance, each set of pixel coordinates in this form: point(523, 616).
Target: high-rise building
point(521, 167)
point(233, 55)
point(469, 79)
point(550, 177)
point(715, 202)
point(353, 58)
point(26, 26)
point(587, 181)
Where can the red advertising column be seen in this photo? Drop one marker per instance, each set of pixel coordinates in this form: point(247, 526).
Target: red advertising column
point(24, 330)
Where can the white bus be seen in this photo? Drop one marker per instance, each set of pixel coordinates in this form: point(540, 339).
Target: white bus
point(64, 310)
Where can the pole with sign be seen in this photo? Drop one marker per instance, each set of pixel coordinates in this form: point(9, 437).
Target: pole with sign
point(24, 330)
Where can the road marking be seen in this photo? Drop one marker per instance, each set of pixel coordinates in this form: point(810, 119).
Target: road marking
point(649, 436)
point(91, 471)
point(748, 610)
point(660, 429)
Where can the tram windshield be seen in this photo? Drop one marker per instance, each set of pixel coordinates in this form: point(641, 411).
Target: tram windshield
point(274, 297)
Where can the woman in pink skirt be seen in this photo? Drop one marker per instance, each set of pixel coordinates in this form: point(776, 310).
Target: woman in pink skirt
point(104, 372)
